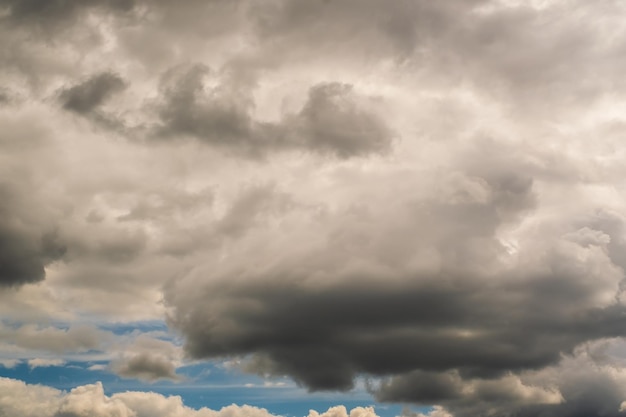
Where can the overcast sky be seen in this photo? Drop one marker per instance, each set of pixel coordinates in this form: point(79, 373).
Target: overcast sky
point(415, 205)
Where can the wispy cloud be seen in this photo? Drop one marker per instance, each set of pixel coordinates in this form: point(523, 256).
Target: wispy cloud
point(44, 362)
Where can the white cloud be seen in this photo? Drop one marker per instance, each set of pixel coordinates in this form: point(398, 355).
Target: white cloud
point(77, 338)
point(44, 363)
point(341, 411)
point(10, 363)
point(18, 399)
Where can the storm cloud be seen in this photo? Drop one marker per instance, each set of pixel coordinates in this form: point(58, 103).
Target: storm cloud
point(361, 299)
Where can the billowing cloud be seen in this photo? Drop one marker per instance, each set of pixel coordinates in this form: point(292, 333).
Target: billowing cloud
point(341, 411)
point(587, 385)
point(331, 121)
point(432, 274)
point(334, 119)
point(20, 399)
point(145, 366)
point(26, 247)
point(148, 359)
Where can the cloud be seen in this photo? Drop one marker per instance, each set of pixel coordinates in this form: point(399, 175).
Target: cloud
point(18, 399)
point(423, 194)
point(342, 30)
point(587, 386)
point(146, 367)
point(457, 394)
point(85, 97)
point(26, 247)
point(437, 411)
point(44, 363)
point(10, 363)
point(341, 411)
point(219, 117)
point(148, 359)
point(77, 338)
point(333, 120)
point(51, 14)
point(431, 276)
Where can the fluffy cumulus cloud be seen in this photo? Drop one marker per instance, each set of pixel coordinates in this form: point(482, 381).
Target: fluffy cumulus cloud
point(18, 399)
point(148, 359)
point(423, 195)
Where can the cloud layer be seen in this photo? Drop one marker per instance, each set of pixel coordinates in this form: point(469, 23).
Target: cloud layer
point(21, 400)
point(426, 196)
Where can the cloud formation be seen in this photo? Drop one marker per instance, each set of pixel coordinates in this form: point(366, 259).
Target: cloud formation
point(78, 338)
point(369, 306)
point(49, 14)
point(148, 359)
point(26, 247)
point(423, 195)
point(331, 121)
point(587, 385)
point(87, 96)
point(18, 399)
point(44, 363)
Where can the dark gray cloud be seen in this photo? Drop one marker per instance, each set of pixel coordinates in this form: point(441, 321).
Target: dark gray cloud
point(579, 386)
point(25, 248)
point(421, 387)
point(5, 96)
point(147, 359)
point(469, 397)
point(87, 96)
point(332, 121)
point(323, 339)
point(372, 313)
point(147, 367)
point(219, 116)
point(592, 394)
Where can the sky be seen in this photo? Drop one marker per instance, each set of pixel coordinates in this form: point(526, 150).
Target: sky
point(322, 208)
